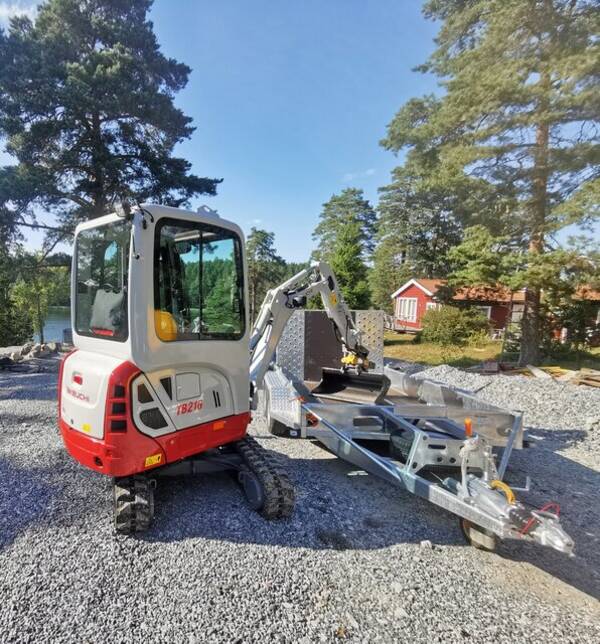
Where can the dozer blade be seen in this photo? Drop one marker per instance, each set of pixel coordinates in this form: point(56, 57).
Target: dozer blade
point(366, 388)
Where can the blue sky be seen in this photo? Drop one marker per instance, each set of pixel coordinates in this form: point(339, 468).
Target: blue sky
point(290, 100)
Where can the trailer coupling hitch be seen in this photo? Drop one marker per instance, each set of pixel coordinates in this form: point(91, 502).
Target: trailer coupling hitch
point(541, 526)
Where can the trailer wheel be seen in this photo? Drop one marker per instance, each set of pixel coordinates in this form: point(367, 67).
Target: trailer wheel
point(133, 504)
point(478, 537)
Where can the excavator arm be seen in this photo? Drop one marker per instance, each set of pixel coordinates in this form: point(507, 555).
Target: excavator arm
point(280, 303)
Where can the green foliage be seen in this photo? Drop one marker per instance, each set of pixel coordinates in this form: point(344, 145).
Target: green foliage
point(453, 326)
point(86, 107)
point(350, 269)
point(15, 324)
point(485, 259)
point(289, 269)
point(265, 267)
point(349, 207)
point(389, 271)
point(418, 223)
point(578, 316)
point(32, 296)
point(518, 117)
point(37, 286)
point(481, 258)
point(15, 321)
point(60, 294)
point(220, 313)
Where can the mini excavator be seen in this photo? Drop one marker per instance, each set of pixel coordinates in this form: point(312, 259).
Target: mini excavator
point(166, 367)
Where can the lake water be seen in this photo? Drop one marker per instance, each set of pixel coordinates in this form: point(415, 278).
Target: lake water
point(59, 318)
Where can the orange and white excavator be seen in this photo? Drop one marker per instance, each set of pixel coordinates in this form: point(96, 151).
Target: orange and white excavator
point(165, 366)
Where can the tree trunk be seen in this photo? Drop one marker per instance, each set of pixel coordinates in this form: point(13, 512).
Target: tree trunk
point(252, 299)
point(530, 329)
point(98, 159)
point(40, 320)
point(531, 332)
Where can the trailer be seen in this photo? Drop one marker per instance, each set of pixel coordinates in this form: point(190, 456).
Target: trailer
point(438, 442)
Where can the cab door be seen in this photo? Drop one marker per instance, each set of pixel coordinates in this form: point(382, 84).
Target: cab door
point(196, 359)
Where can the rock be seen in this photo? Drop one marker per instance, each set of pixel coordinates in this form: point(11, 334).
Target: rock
point(35, 350)
point(351, 621)
point(15, 356)
point(426, 544)
point(39, 351)
point(592, 423)
point(53, 347)
point(26, 348)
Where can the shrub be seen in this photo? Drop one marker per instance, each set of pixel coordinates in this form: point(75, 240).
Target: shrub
point(15, 325)
point(451, 326)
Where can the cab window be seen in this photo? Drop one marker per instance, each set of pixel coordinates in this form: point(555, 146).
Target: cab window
point(102, 261)
point(199, 286)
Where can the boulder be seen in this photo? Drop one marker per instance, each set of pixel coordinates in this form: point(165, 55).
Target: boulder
point(44, 351)
point(26, 348)
point(35, 351)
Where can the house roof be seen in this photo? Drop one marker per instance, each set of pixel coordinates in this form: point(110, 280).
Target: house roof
point(480, 293)
point(485, 293)
point(586, 292)
point(428, 286)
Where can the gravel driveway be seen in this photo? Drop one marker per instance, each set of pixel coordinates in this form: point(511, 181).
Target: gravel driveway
point(348, 566)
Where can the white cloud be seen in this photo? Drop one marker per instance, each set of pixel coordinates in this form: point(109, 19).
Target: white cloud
point(16, 8)
point(352, 176)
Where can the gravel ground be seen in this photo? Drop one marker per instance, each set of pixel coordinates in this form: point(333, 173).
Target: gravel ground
point(358, 561)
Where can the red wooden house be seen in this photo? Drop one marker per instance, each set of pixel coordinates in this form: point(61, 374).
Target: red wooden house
point(414, 298)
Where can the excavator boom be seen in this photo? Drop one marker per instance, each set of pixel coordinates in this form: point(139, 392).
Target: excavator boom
point(350, 381)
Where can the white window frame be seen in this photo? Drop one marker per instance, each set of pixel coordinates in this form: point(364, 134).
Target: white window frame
point(406, 309)
point(487, 312)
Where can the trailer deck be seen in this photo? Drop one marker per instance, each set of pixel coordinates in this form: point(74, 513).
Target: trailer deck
point(432, 440)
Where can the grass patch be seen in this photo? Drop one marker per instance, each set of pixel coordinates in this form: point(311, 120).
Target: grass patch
point(401, 346)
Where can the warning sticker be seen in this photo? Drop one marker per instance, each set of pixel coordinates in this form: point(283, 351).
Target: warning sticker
point(153, 460)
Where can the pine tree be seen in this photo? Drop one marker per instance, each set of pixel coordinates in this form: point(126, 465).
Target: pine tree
point(349, 267)
point(15, 323)
point(86, 107)
point(265, 267)
point(349, 206)
point(520, 111)
point(417, 226)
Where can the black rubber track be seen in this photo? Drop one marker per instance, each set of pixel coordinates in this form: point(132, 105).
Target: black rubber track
point(277, 487)
point(133, 504)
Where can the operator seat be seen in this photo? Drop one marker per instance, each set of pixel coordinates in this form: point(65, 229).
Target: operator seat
point(108, 311)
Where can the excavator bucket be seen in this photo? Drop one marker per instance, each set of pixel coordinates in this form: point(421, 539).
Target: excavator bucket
point(366, 388)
